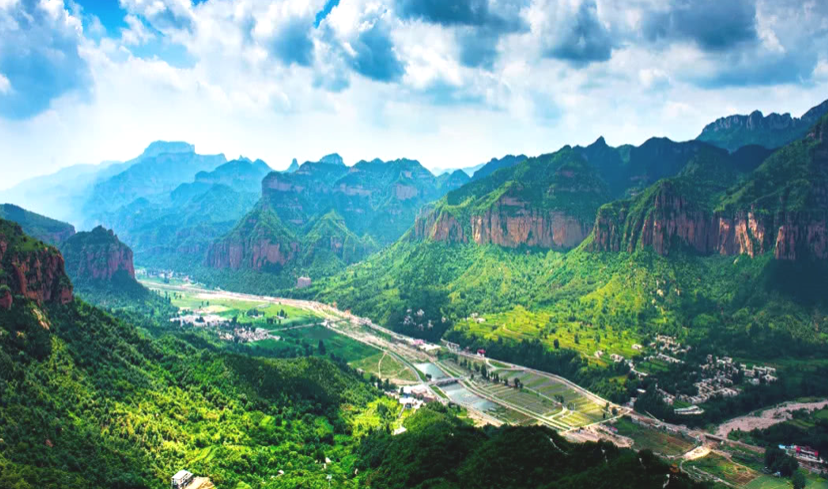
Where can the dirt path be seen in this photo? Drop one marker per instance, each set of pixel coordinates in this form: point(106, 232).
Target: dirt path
point(768, 417)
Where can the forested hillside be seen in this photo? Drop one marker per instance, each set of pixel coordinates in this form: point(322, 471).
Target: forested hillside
point(89, 400)
point(729, 255)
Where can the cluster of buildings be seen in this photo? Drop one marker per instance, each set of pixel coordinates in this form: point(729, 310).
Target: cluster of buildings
point(719, 376)
point(670, 344)
point(757, 374)
point(247, 335)
point(414, 396)
point(807, 457)
point(200, 320)
point(476, 318)
point(423, 345)
point(417, 319)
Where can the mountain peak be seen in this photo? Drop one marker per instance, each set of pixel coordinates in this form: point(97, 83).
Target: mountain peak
point(160, 147)
point(332, 159)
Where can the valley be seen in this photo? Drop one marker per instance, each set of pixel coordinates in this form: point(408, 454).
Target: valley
point(498, 392)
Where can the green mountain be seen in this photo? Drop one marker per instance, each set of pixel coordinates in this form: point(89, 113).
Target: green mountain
point(90, 401)
point(325, 216)
point(41, 227)
point(175, 230)
point(771, 131)
point(549, 202)
point(496, 164)
point(728, 255)
point(452, 180)
point(780, 208)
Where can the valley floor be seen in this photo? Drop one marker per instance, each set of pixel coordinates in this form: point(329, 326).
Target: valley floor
point(542, 398)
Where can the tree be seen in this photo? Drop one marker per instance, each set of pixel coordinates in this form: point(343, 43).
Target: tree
point(321, 347)
point(557, 344)
point(799, 481)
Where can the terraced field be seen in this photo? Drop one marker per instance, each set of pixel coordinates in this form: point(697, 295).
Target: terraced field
point(555, 403)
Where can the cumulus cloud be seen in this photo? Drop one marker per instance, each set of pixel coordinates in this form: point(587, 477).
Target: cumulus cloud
point(714, 25)
point(374, 55)
point(5, 84)
point(164, 15)
point(39, 56)
point(572, 31)
point(136, 33)
point(480, 23)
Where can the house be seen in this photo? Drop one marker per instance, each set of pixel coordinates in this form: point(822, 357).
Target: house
point(303, 282)
point(637, 347)
point(616, 358)
point(181, 479)
point(481, 352)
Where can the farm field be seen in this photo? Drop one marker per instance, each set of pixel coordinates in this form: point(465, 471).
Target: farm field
point(340, 345)
point(228, 307)
point(540, 398)
point(519, 324)
point(732, 473)
point(744, 477)
point(580, 410)
point(655, 440)
point(385, 366)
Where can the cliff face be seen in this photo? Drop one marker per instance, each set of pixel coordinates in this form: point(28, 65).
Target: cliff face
point(780, 207)
point(771, 131)
point(254, 253)
point(97, 255)
point(670, 228)
point(546, 202)
point(672, 223)
point(30, 268)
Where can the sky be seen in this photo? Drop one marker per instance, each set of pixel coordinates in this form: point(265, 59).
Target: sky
point(451, 83)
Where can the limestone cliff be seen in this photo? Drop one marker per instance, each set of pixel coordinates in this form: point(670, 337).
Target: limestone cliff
point(546, 202)
point(97, 255)
point(30, 268)
point(781, 207)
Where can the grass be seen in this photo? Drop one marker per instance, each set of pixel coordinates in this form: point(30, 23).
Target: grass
point(655, 440)
point(340, 345)
point(521, 324)
point(735, 474)
point(385, 366)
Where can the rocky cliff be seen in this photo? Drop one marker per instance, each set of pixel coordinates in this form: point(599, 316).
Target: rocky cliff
point(97, 255)
point(546, 202)
point(259, 241)
point(781, 207)
point(30, 268)
point(771, 131)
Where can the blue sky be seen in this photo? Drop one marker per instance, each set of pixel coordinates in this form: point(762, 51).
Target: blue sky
point(449, 82)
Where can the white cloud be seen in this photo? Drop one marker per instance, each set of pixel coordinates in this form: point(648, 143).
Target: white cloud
point(136, 33)
point(5, 84)
point(245, 90)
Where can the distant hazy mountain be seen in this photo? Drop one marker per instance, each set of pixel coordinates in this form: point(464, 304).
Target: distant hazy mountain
point(41, 227)
point(496, 164)
point(294, 165)
point(155, 175)
point(771, 131)
point(63, 194)
point(175, 229)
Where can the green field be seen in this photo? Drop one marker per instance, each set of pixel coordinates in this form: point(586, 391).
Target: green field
point(738, 475)
point(385, 366)
point(340, 345)
point(658, 441)
point(521, 324)
point(270, 315)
